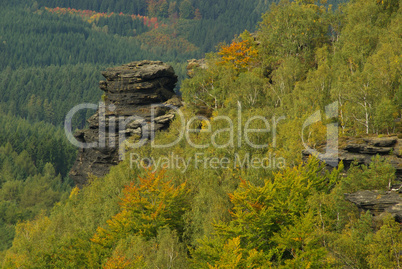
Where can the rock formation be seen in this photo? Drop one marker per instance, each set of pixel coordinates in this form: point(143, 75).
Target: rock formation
point(138, 100)
point(378, 202)
point(362, 150)
point(193, 64)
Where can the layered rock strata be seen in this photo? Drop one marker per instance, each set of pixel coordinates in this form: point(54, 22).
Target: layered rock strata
point(139, 100)
point(378, 202)
point(362, 150)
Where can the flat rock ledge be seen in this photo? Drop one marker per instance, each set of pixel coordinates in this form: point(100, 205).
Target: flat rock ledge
point(362, 150)
point(378, 202)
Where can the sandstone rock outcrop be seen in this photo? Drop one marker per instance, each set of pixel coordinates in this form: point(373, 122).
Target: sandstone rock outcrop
point(194, 64)
point(362, 150)
point(138, 100)
point(378, 203)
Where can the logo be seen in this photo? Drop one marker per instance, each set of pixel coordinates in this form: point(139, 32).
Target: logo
point(331, 150)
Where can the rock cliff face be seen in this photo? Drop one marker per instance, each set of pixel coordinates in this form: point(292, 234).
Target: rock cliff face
point(138, 100)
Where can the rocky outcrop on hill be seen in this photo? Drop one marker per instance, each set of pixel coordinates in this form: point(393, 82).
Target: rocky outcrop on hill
point(362, 150)
point(193, 64)
point(139, 99)
point(378, 203)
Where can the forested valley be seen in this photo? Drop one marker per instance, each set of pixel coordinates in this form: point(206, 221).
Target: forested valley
point(302, 57)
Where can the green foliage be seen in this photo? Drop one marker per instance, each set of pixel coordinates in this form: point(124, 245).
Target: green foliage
point(379, 175)
point(24, 192)
point(272, 222)
point(209, 87)
point(64, 236)
point(293, 28)
point(384, 250)
point(384, 116)
point(25, 94)
point(350, 247)
point(186, 10)
point(367, 65)
point(37, 144)
point(33, 159)
point(164, 251)
point(144, 209)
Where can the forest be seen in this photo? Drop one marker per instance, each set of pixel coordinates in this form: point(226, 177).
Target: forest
point(302, 57)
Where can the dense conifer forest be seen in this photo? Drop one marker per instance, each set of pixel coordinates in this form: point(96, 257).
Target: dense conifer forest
point(302, 57)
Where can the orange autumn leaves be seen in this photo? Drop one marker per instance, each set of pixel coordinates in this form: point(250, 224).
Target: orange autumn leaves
point(239, 54)
point(118, 262)
point(146, 207)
